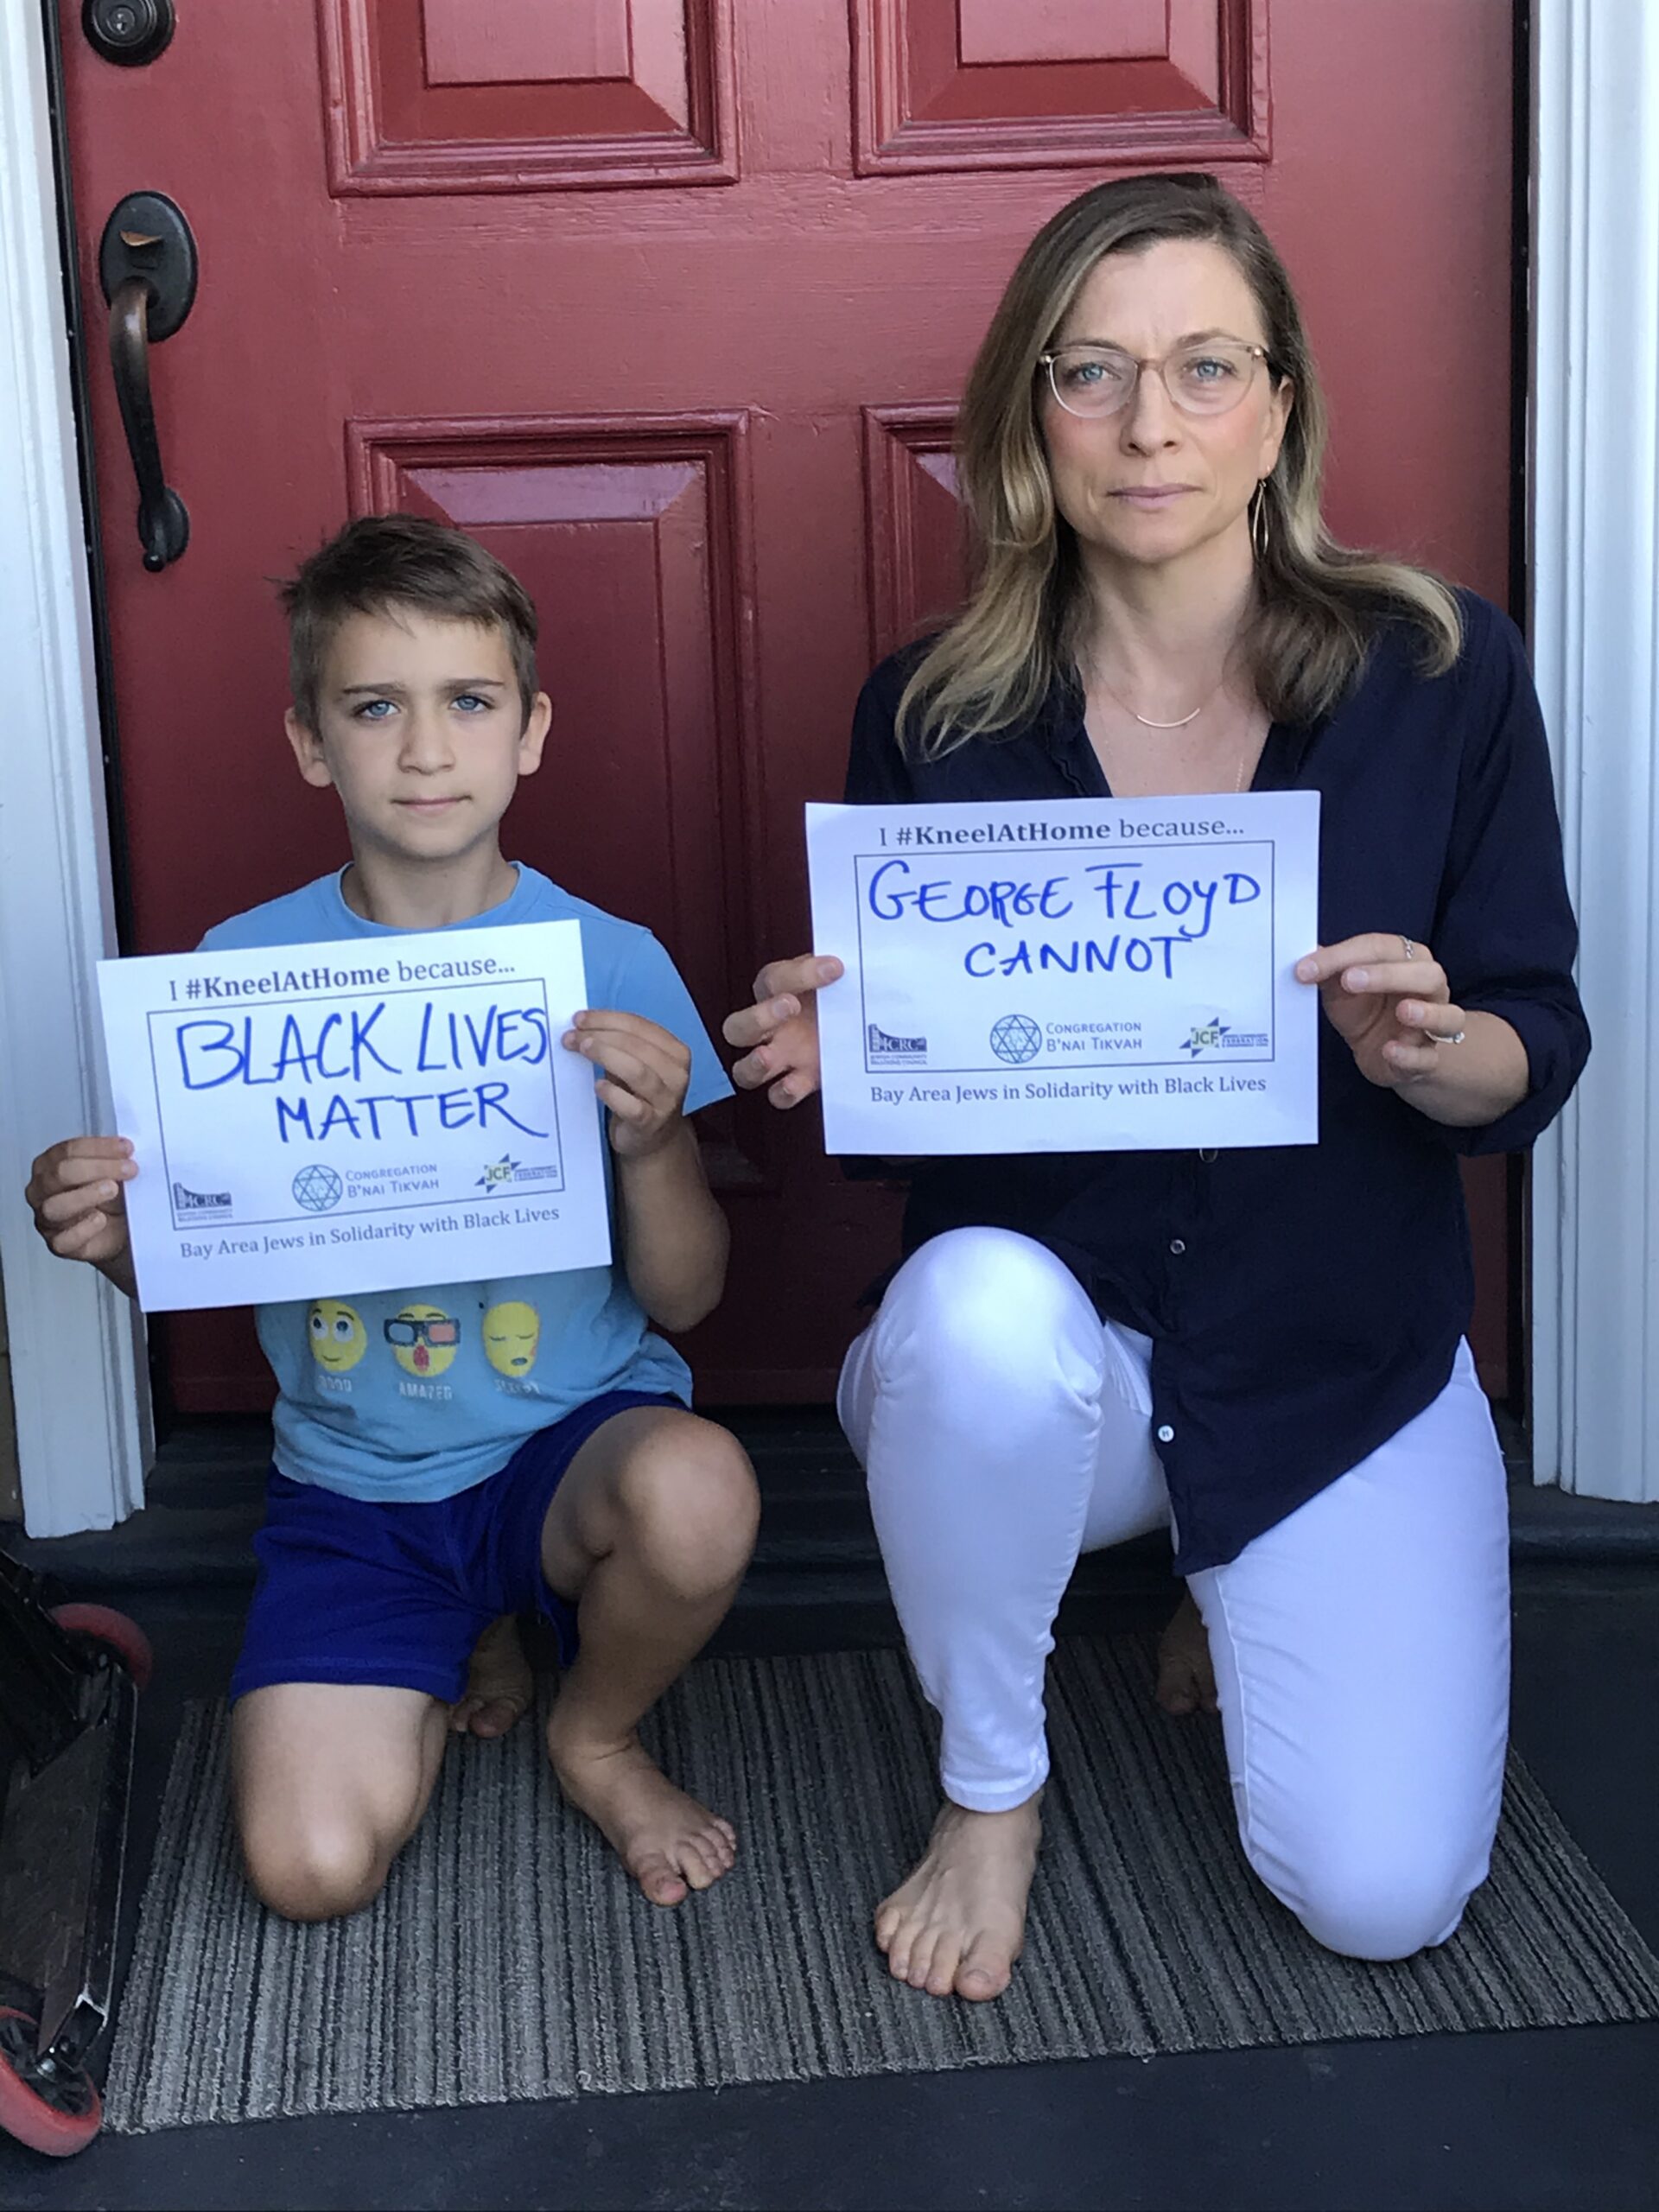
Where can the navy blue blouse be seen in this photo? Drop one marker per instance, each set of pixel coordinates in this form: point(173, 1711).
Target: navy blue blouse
point(1304, 1301)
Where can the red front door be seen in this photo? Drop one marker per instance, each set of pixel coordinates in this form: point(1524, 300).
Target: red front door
point(667, 300)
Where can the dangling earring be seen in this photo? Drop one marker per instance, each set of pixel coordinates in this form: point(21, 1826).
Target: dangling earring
point(1259, 520)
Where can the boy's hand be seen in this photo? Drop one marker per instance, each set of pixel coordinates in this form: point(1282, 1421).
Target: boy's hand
point(74, 1194)
point(646, 1072)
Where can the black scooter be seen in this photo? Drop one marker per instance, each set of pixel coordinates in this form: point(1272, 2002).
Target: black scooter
point(69, 1681)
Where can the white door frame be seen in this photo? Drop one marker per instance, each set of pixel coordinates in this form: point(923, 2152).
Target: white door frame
point(1594, 535)
point(78, 1369)
point(78, 1375)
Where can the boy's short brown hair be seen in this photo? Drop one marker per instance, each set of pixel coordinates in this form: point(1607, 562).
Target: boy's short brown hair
point(380, 562)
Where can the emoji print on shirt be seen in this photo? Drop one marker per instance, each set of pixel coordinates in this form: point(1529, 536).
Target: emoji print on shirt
point(423, 1340)
point(338, 1339)
point(512, 1333)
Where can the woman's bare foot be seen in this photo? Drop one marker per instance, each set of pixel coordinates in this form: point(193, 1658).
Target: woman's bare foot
point(959, 1922)
point(667, 1841)
point(1186, 1681)
point(499, 1685)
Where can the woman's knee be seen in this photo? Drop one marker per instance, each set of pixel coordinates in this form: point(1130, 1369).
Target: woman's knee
point(1365, 1903)
point(690, 1501)
point(984, 1303)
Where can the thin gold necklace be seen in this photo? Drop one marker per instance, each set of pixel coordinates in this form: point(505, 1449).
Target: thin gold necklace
point(1146, 720)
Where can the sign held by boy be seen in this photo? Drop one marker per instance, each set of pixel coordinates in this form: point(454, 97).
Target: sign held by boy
point(311, 1123)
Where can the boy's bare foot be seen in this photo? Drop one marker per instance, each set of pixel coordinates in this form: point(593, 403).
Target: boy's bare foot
point(499, 1685)
point(1186, 1681)
point(959, 1922)
point(667, 1841)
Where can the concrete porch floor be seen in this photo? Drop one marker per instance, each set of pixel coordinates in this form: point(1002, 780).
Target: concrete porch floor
point(1561, 2119)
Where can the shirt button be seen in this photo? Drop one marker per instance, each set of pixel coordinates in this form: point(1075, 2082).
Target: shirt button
point(1177, 1245)
point(1165, 1434)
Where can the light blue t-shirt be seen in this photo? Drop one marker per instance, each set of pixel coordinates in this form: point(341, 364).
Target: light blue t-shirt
point(414, 1394)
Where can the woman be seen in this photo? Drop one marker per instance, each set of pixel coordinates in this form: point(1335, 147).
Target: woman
point(1260, 1349)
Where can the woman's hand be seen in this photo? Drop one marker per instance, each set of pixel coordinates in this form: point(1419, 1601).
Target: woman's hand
point(1390, 1001)
point(778, 1035)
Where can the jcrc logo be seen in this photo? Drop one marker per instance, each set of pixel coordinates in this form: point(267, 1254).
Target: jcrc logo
point(186, 1200)
point(892, 1051)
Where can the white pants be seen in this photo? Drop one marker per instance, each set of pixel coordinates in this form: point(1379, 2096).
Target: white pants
point(1361, 1646)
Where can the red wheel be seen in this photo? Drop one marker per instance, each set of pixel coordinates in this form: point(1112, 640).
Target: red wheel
point(59, 2114)
point(124, 1637)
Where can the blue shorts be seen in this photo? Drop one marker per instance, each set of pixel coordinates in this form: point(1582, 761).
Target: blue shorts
point(355, 1591)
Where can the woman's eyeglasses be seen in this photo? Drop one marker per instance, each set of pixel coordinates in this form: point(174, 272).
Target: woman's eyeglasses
point(1201, 380)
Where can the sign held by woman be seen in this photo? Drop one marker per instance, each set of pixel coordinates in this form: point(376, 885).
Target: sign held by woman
point(1079, 976)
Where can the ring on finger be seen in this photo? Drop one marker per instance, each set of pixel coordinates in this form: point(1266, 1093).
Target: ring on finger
point(1455, 1037)
point(1411, 949)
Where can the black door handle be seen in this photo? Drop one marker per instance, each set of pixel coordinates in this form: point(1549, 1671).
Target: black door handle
point(163, 519)
point(146, 262)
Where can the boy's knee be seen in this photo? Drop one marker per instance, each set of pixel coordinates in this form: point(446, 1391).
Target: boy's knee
point(689, 1497)
point(321, 1871)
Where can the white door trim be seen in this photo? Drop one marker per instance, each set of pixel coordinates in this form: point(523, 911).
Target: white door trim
point(1594, 533)
point(78, 1375)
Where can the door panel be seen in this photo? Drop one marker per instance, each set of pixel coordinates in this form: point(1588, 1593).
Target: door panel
point(524, 41)
point(978, 84)
point(461, 258)
point(915, 539)
point(629, 538)
point(427, 96)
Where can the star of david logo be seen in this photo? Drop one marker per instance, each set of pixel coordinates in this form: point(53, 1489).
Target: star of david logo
point(1016, 1039)
point(317, 1189)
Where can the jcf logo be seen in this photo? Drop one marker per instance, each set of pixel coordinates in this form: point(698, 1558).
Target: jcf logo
point(1206, 1037)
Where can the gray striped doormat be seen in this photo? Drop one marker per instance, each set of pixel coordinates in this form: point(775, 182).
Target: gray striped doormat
point(509, 1958)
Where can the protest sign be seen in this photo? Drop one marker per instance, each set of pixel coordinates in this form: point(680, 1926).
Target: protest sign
point(1075, 976)
point(355, 1116)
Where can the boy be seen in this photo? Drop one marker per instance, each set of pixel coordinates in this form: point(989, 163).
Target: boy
point(554, 1465)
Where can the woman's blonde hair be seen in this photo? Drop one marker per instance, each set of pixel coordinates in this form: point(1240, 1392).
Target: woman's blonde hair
point(1319, 603)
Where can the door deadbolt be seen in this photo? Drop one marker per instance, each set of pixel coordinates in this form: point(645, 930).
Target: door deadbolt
point(127, 32)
